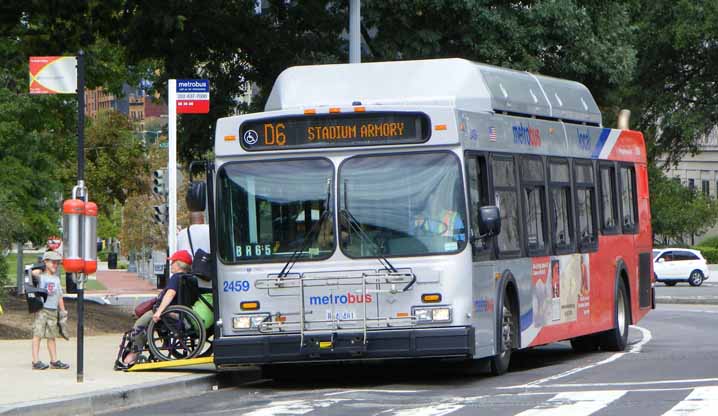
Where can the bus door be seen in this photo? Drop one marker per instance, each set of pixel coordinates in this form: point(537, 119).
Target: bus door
point(483, 267)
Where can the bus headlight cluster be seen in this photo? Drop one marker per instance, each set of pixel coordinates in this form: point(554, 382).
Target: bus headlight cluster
point(249, 321)
point(433, 314)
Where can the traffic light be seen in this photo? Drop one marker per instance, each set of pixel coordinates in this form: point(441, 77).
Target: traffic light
point(159, 182)
point(160, 213)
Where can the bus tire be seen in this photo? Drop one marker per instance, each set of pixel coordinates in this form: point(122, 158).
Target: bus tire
point(616, 339)
point(586, 343)
point(507, 337)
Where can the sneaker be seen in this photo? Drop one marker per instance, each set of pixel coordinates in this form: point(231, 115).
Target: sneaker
point(120, 366)
point(59, 365)
point(39, 365)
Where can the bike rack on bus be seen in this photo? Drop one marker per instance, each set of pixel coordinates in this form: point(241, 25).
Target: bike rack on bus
point(399, 281)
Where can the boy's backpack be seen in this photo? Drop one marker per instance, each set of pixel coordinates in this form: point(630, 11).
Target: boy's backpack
point(35, 297)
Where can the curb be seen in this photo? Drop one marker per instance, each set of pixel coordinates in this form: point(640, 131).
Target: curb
point(693, 300)
point(119, 397)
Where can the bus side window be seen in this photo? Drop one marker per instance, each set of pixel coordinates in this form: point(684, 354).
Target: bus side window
point(506, 200)
point(586, 205)
point(533, 192)
point(628, 199)
point(478, 196)
point(607, 177)
point(561, 204)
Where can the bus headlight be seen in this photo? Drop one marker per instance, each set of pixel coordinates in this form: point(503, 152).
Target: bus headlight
point(249, 321)
point(436, 314)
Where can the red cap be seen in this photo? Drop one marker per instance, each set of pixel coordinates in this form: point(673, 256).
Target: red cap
point(181, 255)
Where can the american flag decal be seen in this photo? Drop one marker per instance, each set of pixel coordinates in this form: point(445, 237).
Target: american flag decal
point(492, 134)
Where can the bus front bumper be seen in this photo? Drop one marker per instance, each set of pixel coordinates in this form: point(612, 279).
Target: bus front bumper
point(385, 344)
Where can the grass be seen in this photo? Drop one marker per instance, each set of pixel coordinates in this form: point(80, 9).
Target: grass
point(94, 285)
point(11, 260)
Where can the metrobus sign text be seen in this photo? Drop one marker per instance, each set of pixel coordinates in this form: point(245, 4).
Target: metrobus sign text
point(192, 96)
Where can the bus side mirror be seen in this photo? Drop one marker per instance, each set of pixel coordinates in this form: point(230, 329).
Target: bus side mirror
point(196, 196)
point(489, 221)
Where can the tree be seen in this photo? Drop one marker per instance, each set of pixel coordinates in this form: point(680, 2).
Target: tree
point(585, 41)
point(224, 41)
point(111, 147)
point(673, 91)
point(677, 211)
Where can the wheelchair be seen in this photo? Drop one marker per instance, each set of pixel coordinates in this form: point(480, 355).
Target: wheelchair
point(180, 333)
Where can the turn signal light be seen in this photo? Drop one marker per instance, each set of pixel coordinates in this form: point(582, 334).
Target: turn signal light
point(335, 110)
point(249, 306)
point(440, 127)
point(359, 109)
point(310, 111)
point(431, 297)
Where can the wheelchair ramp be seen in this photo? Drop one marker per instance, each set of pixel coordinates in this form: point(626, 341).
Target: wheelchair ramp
point(172, 364)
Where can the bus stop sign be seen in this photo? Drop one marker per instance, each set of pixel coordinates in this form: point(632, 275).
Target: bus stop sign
point(192, 96)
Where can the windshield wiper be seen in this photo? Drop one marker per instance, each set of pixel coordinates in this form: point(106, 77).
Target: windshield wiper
point(355, 226)
point(311, 235)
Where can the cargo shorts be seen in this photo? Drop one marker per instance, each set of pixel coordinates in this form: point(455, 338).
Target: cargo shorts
point(45, 325)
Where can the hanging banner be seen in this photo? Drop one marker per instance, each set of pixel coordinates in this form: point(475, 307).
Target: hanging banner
point(53, 75)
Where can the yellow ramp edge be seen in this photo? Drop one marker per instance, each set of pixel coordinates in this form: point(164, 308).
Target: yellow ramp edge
point(170, 364)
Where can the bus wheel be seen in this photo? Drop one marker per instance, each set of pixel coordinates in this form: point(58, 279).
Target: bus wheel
point(616, 339)
point(586, 343)
point(507, 338)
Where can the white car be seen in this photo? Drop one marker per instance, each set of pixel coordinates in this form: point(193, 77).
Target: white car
point(673, 265)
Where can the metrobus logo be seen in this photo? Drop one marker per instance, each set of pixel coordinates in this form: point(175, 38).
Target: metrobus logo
point(526, 135)
point(340, 299)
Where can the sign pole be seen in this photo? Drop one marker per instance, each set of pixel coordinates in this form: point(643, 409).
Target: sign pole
point(354, 31)
point(172, 166)
point(81, 187)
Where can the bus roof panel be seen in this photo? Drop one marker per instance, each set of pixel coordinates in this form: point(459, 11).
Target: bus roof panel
point(455, 83)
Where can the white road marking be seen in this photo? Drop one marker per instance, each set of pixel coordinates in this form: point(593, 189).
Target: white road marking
point(293, 407)
point(636, 348)
point(702, 401)
point(431, 410)
point(336, 393)
point(628, 383)
point(577, 403)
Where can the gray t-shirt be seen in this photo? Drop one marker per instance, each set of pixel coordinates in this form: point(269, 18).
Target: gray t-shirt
point(54, 290)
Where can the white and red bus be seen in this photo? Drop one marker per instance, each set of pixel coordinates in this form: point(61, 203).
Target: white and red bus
point(438, 208)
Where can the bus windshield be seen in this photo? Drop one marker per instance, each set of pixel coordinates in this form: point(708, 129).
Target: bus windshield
point(266, 210)
point(407, 204)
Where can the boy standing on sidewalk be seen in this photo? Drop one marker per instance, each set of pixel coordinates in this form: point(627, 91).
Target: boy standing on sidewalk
point(45, 325)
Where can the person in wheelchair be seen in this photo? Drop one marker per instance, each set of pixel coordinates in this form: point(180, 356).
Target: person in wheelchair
point(180, 265)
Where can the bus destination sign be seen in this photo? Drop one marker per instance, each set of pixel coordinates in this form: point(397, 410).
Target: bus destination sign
point(334, 130)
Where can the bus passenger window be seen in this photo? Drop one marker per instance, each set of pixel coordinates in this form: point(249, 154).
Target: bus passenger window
point(628, 198)
point(478, 197)
point(534, 195)
point(561, 206)
point(507, 202)
point(585, 192)
point(608, 203)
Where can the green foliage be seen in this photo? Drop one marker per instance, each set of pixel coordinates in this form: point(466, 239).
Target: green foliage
point(710, 242)
point(710, 253)
point(676, 211)
point(111, 148)
point(673, 91)
point(582, 41)
point(4, 270)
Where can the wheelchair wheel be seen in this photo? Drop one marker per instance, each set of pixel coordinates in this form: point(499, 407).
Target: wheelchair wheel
point(179, 334)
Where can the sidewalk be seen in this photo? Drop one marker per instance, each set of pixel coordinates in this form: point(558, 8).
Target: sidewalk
point(26, 391)
point(122, 288)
